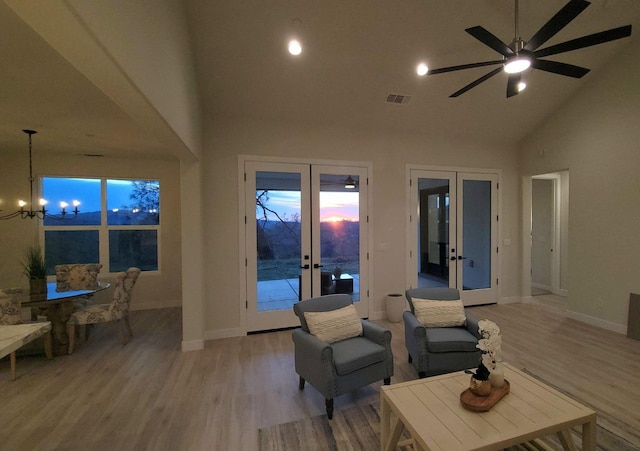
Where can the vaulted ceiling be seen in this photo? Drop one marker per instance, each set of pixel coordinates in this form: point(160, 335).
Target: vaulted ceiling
point(355, 53)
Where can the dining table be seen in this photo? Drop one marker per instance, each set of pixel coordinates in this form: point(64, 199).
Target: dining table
point(57, 306)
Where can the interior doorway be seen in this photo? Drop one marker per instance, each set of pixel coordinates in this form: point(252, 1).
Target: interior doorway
point(549, 233)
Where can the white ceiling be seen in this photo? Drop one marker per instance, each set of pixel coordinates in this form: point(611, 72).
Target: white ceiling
point(356, 52)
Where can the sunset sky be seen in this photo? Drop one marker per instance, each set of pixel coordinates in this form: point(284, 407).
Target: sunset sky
point(334, 206)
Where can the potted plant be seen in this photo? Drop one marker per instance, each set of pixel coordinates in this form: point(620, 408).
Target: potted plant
point(35, 268)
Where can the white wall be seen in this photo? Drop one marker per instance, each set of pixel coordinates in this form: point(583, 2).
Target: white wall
point(389, 155)
point(596, 138)
point(162, 289)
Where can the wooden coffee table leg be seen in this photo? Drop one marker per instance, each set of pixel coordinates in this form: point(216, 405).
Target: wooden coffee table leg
point(566, 440)
point(384, 422)
point(589, 435)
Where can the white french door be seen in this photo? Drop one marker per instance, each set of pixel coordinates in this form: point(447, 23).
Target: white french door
point(306, 235)
point(454, 233)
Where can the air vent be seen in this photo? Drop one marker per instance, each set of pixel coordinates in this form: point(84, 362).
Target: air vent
point(398, 99)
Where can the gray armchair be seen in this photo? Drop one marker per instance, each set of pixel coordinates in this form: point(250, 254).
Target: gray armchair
point(342, 366)
point(439, 350)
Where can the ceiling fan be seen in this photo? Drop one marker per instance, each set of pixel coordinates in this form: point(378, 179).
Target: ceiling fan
point(520, 55)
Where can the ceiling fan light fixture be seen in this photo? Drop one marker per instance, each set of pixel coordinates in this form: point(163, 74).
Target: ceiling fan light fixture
point(517, 64)
point(522, 86)
point(422, 69)
point(349, 183)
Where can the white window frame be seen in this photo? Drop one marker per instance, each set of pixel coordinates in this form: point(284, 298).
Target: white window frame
point(104, 229)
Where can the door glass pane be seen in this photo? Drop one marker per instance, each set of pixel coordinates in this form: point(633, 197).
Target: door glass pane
point(433, 233)
point(476, 266)
point(278, 232)
point(340, 234)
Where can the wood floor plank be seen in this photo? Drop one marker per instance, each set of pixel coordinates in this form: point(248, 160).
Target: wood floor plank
point(150, 395)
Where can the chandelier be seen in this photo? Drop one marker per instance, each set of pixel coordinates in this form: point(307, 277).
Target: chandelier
point(42, 212)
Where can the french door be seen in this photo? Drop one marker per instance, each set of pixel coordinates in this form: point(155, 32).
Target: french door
point(306, 235)
point(453, 233)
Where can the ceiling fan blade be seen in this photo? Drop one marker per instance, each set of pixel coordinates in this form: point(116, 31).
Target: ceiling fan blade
point(569, 12)
point(555, 67)
point(586, 41)
point(477, 82)
point(512, 84)
point(462, 67)
point(487, 38)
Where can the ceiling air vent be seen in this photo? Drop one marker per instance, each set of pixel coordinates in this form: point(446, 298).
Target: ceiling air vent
point(398, 99)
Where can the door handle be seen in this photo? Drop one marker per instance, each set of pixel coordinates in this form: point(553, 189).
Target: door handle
point(304, 266)
point(460, 257)
point(453, 258)
point(316, 266)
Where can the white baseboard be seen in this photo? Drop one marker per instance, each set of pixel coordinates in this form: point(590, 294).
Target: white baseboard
point(192, 345)
point(527, 299)
point(598, 322)
point(224, 333)
point(562, 292)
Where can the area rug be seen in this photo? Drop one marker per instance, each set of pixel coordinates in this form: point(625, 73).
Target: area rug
point(358, 428)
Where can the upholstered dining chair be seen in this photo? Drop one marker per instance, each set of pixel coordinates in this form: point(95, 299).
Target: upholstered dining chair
point(440, 335)
point(336, 351)
point(117, 310)
point(78, 276)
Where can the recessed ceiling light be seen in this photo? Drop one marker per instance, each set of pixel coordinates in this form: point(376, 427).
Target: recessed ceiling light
point(422, 69)
point(295, 48)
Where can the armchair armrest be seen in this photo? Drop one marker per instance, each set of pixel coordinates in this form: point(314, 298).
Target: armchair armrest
point(311, 345)
point(472, 324)
point(376, 333)
point(414, 327)
point(314, 362)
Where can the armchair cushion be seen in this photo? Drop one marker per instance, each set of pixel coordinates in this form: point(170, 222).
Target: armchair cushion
point(450, 339)
point(334, 325)
point(438, 313)
point(356, 353)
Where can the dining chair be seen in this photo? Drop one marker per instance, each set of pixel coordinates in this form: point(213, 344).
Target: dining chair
point(117, 310)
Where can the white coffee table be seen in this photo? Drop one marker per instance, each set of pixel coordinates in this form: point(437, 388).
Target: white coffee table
point(13, 337)
point(431, 411)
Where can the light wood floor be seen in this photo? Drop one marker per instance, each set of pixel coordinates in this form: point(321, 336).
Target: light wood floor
point(149, 395)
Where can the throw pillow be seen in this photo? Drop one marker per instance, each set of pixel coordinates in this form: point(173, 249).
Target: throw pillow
point(334, 325)
point(432, 313)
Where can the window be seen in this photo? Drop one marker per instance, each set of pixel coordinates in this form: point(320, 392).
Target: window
point(118, 223)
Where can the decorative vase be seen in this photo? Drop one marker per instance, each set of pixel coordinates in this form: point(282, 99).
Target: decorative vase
point(480, 388)
point(37, 286)
point(395, 307)
point(497, 376)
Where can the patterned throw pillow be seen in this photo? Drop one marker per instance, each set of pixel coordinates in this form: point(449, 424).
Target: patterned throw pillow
point(433, 313)
point(334, 325)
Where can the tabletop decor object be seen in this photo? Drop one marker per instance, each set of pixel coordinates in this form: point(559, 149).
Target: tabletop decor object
point(490, 371)
point(35, 269)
